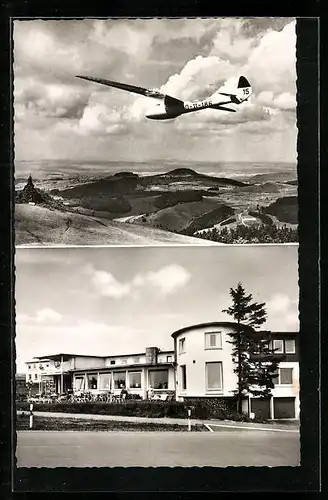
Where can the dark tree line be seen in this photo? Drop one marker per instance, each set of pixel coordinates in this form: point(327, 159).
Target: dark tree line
point(266, 233)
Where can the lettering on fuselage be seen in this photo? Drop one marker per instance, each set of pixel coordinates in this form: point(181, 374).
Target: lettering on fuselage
point(197, 105)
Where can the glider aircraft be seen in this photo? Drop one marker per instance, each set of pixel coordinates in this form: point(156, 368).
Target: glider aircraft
point(169, 107)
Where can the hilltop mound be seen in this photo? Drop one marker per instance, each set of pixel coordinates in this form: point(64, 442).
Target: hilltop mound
point(187, 174)
point(182, 171)
point(29, 194)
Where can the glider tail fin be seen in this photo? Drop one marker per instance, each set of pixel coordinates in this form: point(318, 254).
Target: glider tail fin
point(244, 89)
point(242, 93)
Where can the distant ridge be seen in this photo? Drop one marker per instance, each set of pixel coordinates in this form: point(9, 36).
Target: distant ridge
point(128, 182)
point(190, 173)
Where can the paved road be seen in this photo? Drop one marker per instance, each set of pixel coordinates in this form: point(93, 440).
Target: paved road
point(156, 449)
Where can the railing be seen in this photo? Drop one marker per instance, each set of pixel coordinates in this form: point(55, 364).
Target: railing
point(106, 397)
point(85, 397)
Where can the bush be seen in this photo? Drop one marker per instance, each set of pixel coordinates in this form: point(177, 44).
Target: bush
point(138, 408)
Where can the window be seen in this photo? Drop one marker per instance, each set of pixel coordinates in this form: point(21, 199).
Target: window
point(158, 379)
point(112, 361)
point(34, 367)
point(214, 376)
point(105, 381)
point(290, 346)
point(30, 376)
point(35, 376)
point(169, 359)
point(283, 376)
point(79, 383)
point(124, 361)
point(119, 380)
point(213, 340)
point(286, 376)
point(278, 346)
point(136, 360)
point(29, 367)
point(182, 346)
point(92, 382)
point(183, 377)
point(135, 380)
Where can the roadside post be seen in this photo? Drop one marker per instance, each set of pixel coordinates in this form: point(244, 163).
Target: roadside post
point(31, 415)
point(189, 417)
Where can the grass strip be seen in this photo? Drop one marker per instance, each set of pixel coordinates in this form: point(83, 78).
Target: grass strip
point(75, 424)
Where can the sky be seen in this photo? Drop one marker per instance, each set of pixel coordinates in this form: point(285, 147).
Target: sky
point(105, 301)
point(58, 116)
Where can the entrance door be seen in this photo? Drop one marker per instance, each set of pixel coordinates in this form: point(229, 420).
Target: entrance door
point(284, 407)
point(261, 407)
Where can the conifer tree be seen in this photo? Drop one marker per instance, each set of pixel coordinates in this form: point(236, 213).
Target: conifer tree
point(255, 366)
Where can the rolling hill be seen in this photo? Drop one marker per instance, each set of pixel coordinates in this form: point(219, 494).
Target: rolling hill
point(181, 215)
point(285, 209)
point(37, 225)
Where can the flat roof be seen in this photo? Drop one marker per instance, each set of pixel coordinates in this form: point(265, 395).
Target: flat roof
point(213, 323)
point(227, 323)
point(96, 356)
point(111, 368)
point(66, 354)
point(137, 354)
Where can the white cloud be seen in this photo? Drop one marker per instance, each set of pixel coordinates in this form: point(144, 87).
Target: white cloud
point(166, 281)
point(107, 285)
point(284, 101)
point(43, 316)
point(283, 311)
point(48, 315)
point(272, 64)
point(229, 43)
point(198, 75)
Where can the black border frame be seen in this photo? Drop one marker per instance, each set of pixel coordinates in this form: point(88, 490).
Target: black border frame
point(305, 478)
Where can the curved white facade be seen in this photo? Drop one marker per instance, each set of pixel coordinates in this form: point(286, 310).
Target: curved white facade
point(208, 362)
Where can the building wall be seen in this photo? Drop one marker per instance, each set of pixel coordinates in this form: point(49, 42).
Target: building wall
point(285, 336)
point(292, 390)
point(125, 360)
point(165, 357)
point(135, 359)
point(85, 362)
point(195, 358)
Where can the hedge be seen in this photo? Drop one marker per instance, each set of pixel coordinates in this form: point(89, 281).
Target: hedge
point(202, 408)
point(128, 408)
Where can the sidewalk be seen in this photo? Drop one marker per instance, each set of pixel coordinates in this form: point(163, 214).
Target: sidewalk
point(290, 426)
